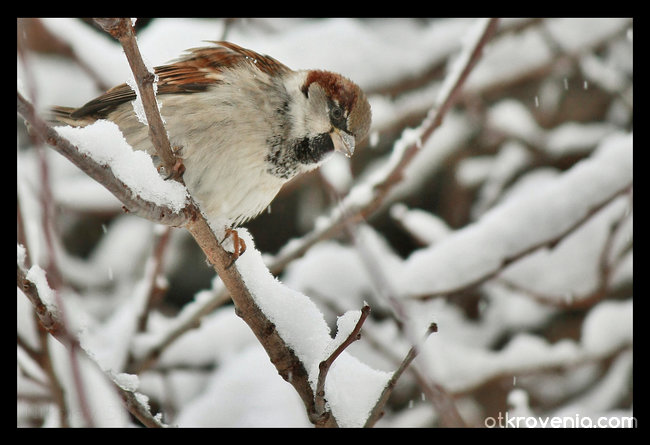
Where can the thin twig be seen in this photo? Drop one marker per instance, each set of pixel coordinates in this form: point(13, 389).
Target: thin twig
point(325, 365)
point(580, 302)
point(155, 292)
point(440, 399)
point(412, 81)
point(284, 359)
point(122, 30)
point(153, 353)
point(43, 359)
point(55, 326)
point(377, 412)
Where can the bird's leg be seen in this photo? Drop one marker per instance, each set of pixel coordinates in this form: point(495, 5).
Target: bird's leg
point(177, 169)
point(238, 244)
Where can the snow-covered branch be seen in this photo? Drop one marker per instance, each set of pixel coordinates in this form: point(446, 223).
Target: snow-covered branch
point(34, 285)
point(493, 201)
point(522, 224)
point(116, 167)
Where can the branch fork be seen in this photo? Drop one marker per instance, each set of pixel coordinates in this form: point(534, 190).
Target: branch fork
point(283, 357)
point(320, 413)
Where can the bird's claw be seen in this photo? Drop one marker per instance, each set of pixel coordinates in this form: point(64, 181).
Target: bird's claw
point(177, 170)
point(238, 244)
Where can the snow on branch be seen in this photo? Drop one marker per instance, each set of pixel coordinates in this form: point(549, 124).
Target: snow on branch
point(522, 224)
point(103, 154)
point(512, 215)
point(34, 285)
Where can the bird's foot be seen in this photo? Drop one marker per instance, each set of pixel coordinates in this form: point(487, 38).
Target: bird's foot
point(238, 244)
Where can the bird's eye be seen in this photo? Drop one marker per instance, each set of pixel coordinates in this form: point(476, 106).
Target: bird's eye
point(336, 116)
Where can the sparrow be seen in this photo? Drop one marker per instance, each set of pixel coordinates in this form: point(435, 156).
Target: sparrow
point(243, 124)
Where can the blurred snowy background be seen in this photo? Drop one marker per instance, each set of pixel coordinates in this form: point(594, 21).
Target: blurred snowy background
point(511, 230)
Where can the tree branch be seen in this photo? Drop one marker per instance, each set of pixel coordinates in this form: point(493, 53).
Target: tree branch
point(100, 173)
point(56, 327)
point(122, 30)
point(286, 362)
point(324, 366)
point(377, 412)
point(284, 359)
point(516, 256)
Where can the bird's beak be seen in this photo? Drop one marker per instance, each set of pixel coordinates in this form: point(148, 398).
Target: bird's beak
point(343, 142)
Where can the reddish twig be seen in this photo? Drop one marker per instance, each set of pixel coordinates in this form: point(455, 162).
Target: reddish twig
point(55, 326)
point(377, 411)
point(122, 30)
point(284, 359)
point(325, 365)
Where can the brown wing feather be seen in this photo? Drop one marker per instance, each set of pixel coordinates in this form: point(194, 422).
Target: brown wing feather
point(192, 73)
point(266, 64)
point(106, 102)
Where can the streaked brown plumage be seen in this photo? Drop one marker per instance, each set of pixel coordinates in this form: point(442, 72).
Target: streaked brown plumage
point(244, 124)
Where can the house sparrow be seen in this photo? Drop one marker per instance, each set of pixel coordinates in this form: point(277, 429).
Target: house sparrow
point(242, 123)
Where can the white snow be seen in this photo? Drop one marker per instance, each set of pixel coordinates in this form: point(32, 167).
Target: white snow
point(423, 226)
point(352, 387)
point(608, 327)
point(217, 374)
point(36, 275)
point(104, 142)
point(245, 392)
point(519, 223)
point(470, 40)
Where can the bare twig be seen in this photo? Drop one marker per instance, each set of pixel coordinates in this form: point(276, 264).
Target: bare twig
point(377, 412)
point(122, 30)
point(440, 399)
point(42, 358)
point(155, 292)
point(324, 366)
